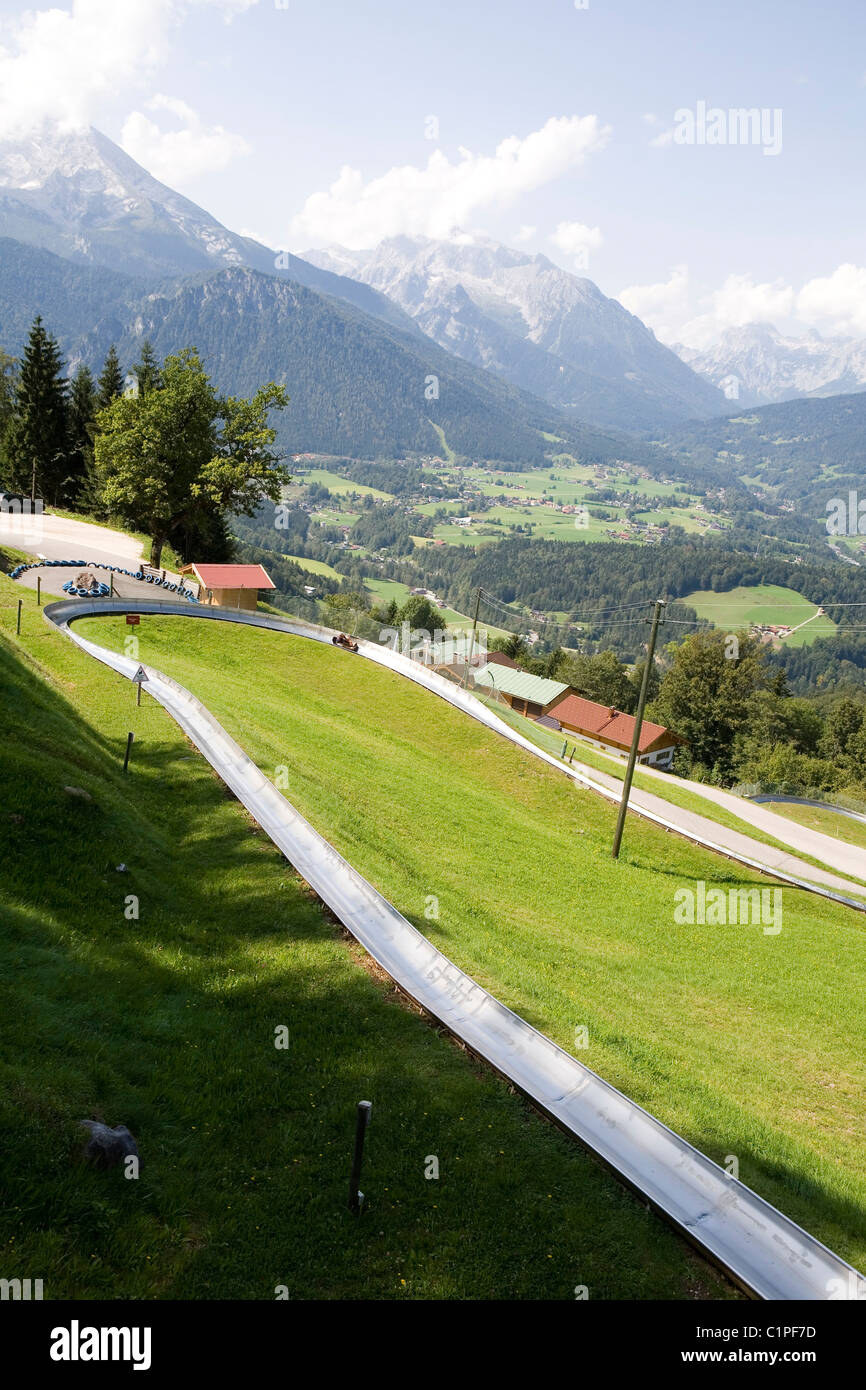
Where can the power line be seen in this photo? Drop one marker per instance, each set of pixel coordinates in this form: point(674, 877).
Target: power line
point(518, 615)
point(627, 607)
point(618, 608)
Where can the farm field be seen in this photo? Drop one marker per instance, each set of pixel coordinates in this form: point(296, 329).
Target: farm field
point(338, 485)
point(546, 525)
point(674, 516)
point(569, 484)
point(766, 604)
point(727, 1034)
point(461, 535)
point(566, 487)
point(387, 589)
point(167, 1023)
point(335, 518)
point(316, 566)
point(564, 482)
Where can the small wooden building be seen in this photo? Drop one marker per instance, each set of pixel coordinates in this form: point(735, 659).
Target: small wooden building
point(612, 730)
point(230, 586)
point(525, 693)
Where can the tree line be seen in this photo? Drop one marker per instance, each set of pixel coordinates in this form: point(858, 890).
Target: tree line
point(733, 705)
point(48, 421)
point(598, 584)
point(158, 449)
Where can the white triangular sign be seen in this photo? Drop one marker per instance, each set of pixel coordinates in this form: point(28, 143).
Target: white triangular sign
point(140, 676)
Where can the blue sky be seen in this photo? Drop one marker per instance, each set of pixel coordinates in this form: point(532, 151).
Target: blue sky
point(253, 110)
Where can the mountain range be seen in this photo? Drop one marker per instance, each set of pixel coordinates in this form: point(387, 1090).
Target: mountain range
point(358, 385)
point(538, 326)
point(416, 347)
point(758, 365)
point(801, 454)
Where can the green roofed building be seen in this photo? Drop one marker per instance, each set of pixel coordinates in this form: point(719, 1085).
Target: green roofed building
point(531, 695)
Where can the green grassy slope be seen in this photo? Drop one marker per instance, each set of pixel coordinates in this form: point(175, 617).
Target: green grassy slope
point(167, 1024)
point(763, 604)
point(749, 1044)
point(668, 789)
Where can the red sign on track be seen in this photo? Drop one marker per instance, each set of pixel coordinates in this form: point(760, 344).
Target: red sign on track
point(133, 619)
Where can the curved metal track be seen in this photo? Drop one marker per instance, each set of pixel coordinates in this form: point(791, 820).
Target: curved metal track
point(765, 1252)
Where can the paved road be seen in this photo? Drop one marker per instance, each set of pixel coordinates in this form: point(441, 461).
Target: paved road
point(65, 538)
point(819, 805)
point(845, 859)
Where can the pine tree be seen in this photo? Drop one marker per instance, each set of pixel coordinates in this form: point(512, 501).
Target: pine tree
point(146, 370)
point(82, 412)
point(8, 382)
point(37, 443)
point(110, 384)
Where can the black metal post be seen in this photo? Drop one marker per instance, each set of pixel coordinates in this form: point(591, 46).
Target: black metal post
point(129, 741)
point(39, 589)
point(638, 722)
point(361, 1122)
point(18, 625)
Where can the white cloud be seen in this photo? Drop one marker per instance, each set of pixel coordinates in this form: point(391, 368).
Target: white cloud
point(176, 156)
point(57, 65)
point(432, 200)
point(678, 311)
point(230, 8)
point(836, 303)
point(740, 300)
point(662, 306)
point(662, 137)
point(525, 233)
point(576, 240)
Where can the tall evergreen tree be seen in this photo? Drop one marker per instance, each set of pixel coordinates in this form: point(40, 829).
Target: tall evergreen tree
point(8, 381)
point(82, 413)
point(110, 384)
point(146, 370)
point(37, 442)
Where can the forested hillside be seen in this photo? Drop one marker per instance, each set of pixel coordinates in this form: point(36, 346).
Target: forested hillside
point(605, 584)
point(807, 451)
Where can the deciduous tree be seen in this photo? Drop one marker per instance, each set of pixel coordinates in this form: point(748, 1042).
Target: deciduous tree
point(179, 455)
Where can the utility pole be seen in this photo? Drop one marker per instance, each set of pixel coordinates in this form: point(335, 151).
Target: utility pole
point(472, 634)
point(638, 722)
point(474, 624)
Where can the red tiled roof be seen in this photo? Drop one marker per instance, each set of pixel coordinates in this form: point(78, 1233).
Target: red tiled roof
point(614, 727)
point(500, 659)
point(233, 576)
